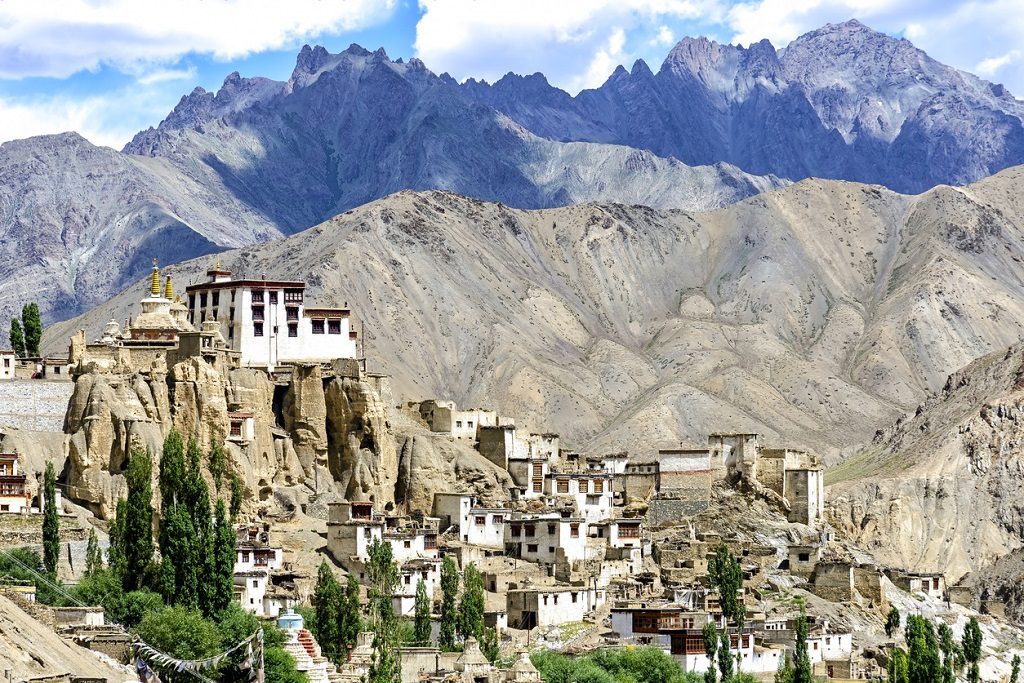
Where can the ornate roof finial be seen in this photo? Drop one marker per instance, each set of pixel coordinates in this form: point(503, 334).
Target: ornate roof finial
point(154, 280)
point(168, 288)
point(216, 266)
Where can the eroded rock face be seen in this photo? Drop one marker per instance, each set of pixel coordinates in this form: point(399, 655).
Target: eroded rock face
point(361, 452)
point(331, 434)
point(430, 464)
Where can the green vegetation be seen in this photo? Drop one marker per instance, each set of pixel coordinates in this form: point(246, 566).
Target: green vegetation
point(892, 621)
point(636, 665)
point(218, 463)
point(421, 632)
point(802, 672)
point(1015, 669)
point(33, 326)
point(784, 674)
point(727, 576)
point(17, 338)
point(93, 554)
point(971, 644)
point(471, 607)
point(449, 592)
point(382, 578)
point(710, 649)
point(51, 521)
point(327, 603)
point(132, 537)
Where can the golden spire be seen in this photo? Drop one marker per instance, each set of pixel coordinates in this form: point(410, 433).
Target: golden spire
point(154, 280)
point(168, 288)
point(216, 266)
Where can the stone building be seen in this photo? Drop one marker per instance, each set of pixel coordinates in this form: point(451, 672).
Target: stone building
point(531, 607)
point(475, 524)
point(268, 322)
point(8, 364)
point(13, 494)
point(546, 538)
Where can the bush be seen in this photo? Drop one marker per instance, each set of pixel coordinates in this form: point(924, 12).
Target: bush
point(630, 665)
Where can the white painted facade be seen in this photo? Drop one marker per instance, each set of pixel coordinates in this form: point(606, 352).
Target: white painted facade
point(551, 605)
point(591, 491)
point(546, 538)
point(409, 576)
point(475, 525)
point(13, 497)
point(8, 364)
point(411, 543)
point(268, 321)
point(349, 535)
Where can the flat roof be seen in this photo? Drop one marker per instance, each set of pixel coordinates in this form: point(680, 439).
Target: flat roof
point(254, 284)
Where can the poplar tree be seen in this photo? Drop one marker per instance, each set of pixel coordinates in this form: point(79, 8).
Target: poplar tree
point(421, 621)
point(449, 592)
point(33, 329)
point(236, 496)
point(136, 529)
point(93, 554)
point(898, 668)
point(217, 465)
point(17, 338)
point(801, 660)
point(350, 622)
point(710, 634)
point(972, 649)
point(784, 674)
point(471, 608)
point(922, 650)
point(51, 521)
point(489, 645)
point(1015, 669)
point(116, 552)
point(892, 621)
point(327, 599)
point(950, 654)
point(223, 579)
point(727, 576)
point(382, 577)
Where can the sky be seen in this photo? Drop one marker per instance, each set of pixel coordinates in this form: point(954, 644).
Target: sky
point(109, 68)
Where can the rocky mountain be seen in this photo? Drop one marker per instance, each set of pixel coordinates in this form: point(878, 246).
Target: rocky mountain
point(813, 314)
point(843, 101)
point(940, 489)
point(260, 159)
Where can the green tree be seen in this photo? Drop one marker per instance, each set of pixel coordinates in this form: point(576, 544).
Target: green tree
point(971, 643)
point(1015, 669)
point(51, 521)
point(449, 593)
point(17, 338)
point(217, 465)
point(237, 495)
point(422, 614)
point(136, 528)
point(950, 654)
point(801, 660)
point(727, 576)
point(93, 554)
point(33, 324)
point(350, 622)
point(924, 665)
point(223, 577)
point(898, 667)
point(182, 634)
point(179, 577)
point(327, 599)
point(382, 577)
point(471, 607)
point(172, 469)
point(892, 621)
point(489, 645)
point(710, 634)
point(784, 674)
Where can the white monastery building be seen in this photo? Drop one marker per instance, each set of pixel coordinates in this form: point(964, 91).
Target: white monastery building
point(268, 321)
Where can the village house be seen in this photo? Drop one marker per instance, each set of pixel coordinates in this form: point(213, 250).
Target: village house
point(351, 527)
point(410, 573)
point(13, 496)
point(590, 491)
point(8, 364)
point(543, 606)
point(527, 458)
point(546, 538)
point(445, 417)
point(411, 539)
point(474, 524)
point(268, 322)
point(932, 584)
point(255, 562)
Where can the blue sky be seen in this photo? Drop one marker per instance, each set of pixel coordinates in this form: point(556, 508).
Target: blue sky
point(108, 68)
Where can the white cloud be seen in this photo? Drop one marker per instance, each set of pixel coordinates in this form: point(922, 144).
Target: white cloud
point(91, 117)
point(989, 67)
point(164, 75)
point(665, 37)
point(569, 40)
point(60, 37)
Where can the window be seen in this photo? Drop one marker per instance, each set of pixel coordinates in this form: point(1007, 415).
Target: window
point(551, 529)
point(202, 300)
point(629, 531)
point(333, 327)
point(469, 424)
point(551, 548)
point(516, 530)
point(498, 519)
point(531, 530)
point(318, 326)
point(216, 298)
point(599, 486)
point(531, 548)
point(563, 486)
point(430, 542)
point(407, 544)
point(191, 301)
point(574, 530)
point(202, 317)
point(292, 313)
point(575, 597)
point(293, 295)
point(7, 362)
point(293, 329)
point(245, 557)
point(481, 520)
point(805, 557)
point(257, 329)
point(458, 424)
point(257, 296)
point(273, 297)
point(257, 313)
point(236, 428)
point(545, 600)
point(408, 579)
point(255, 583)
